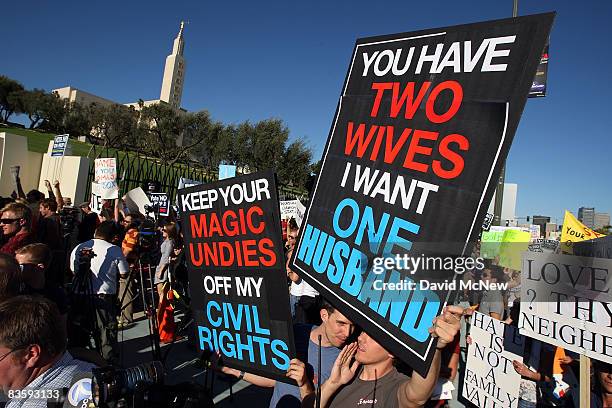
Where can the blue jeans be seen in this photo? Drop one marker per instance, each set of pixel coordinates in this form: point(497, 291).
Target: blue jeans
point(293, 301)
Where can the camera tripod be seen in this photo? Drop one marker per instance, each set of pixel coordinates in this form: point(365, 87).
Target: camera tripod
point(85, 325)
point(146, 291)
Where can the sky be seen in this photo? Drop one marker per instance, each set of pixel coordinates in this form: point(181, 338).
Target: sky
point(288, 60)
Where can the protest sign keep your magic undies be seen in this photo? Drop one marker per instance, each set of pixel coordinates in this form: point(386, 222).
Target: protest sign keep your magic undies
point(421, 131)
point(237, 274)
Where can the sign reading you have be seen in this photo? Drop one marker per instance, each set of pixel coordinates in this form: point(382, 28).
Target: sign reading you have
point(422, 128)
point(237, 275)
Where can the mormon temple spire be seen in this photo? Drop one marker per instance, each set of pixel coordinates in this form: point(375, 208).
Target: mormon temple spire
point(174, 72)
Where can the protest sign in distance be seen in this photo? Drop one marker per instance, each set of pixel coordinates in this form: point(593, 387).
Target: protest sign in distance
point(184, 183)
point(161, 203)
point(292, 209)
point(534, 230)
point(237, 274)
point(566, 301)
point(60, 145)
point(598, 248)
point(488, 220)
point(106, 177)
point(96, 198)
point(490, 242)
point(490, 379)
point(549, 246)
point(226, 171)
point(423, 126)
point(136, 200)
point(538, 88)
point(513, 243)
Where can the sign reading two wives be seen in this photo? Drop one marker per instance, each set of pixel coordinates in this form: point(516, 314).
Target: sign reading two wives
point(422, 129)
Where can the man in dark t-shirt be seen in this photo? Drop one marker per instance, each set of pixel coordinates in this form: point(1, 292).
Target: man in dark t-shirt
point(364, 375)
point(34, 261)
point(334, 330)
point(88, 224)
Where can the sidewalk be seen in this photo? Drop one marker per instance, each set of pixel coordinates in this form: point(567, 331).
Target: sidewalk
point(182, 365)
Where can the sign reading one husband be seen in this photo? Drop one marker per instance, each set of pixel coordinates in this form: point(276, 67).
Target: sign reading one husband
point(422, 128)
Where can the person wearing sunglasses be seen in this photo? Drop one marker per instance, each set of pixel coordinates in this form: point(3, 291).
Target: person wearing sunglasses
point(33, 354)
point(16, 222)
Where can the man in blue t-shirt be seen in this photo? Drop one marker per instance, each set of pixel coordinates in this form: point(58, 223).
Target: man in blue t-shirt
point(334, 331)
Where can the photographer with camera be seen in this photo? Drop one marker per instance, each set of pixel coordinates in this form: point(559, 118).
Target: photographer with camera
point(34, 363)
point(97, 265)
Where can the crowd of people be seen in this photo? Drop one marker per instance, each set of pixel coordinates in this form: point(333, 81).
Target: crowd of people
point(67, 286)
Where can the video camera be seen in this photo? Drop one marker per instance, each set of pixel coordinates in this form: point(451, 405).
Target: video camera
point(148, 238)
point(141, 386)
point(69, 219)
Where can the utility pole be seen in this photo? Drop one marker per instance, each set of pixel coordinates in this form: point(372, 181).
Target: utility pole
point(499, 190)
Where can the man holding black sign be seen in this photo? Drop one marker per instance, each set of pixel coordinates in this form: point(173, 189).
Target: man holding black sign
point(333, 332)
point(364, 373)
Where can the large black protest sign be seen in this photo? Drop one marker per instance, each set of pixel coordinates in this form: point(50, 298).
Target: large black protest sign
point(423, 126)
point(237, 274)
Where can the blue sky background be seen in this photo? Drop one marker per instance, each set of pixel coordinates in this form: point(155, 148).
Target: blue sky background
point(255, 60)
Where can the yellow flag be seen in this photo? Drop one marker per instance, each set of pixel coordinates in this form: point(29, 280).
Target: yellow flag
point(575, 231)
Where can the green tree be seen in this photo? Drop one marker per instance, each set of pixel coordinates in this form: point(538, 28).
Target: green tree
point(171, 135)
point(267, 145)
point(315, 168)
point(243, 146)
point(227, 148)
point(294, 169)
point(77, 119)
point(40, 107)
point(56, 113)
point(8, 104)
point(114, 124)
point(201, 136)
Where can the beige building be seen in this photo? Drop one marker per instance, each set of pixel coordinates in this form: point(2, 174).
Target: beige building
point(81, 97)
point(601, 220)
point(174, 72)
